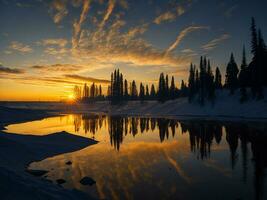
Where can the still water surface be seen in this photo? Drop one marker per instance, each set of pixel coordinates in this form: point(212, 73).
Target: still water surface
point(146, 158)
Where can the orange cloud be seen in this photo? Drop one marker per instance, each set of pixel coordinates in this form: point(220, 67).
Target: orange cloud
point(167, 16)
point(77, 24)
point(55, 41)
point(7, 70)
point(171, 15)
point(87, 79)
point(60, 8)
point(58, 67)
point(111, 5)
point(20, 47)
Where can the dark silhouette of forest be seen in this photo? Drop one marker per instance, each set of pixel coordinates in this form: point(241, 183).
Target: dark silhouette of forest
point(203, 82)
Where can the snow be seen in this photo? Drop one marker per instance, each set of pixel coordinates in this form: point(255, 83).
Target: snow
point(225, 107)
point(17, 151)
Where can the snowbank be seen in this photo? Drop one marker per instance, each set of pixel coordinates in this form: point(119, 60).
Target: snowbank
point(17, 151)
point(225, 106)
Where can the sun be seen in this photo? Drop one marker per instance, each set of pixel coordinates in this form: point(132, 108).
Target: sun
point(71, 97)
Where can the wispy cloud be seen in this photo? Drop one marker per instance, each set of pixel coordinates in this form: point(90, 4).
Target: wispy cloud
point(59, 10)
point(138, 30)
point(182, 35)
point(55, 47)
point(20, 47)
point(77, 24)
point(180, 10)
point(55, 41)
point(36, 80)
point(167, 16)
point(215, 42)
point(7, 70)
point(187, 51)
point(229, 12)
point(64, 80)
point(87, 79)
point(111, 5)
point(112, 45)
point(58, 67)
point(57, 52)
point(173, 13)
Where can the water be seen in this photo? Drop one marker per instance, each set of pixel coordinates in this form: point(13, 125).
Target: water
point(146, 158)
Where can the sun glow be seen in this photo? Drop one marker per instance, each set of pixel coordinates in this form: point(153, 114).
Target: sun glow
point(71, 97)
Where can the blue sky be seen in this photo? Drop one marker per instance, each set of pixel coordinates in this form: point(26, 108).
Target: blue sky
point(89, 38)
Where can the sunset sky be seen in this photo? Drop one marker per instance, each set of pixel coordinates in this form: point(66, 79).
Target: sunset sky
point(49, 46)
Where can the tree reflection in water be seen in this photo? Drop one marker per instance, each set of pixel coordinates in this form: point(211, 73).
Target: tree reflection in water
point(202, 135)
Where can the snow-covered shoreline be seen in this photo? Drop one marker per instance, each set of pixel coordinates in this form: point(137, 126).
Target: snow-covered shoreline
point(225, 107)
point(17, 151)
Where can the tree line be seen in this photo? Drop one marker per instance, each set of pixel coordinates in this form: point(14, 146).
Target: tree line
point(88, 93)
point(122, 90)
point(202, 85)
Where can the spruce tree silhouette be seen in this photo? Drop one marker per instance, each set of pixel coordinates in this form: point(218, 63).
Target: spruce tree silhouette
point(231, 80)
point(218, 79)
point(191, 83)
point(243, 78)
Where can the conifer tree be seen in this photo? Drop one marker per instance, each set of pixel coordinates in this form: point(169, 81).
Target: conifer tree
point(262, 65)
point(257, 68)
point(100, 91)
point(117, 92)
point(147, 92)
point(254, 65)
point(263, 55)
point(167, 92)
point(114, 87)
point(172, 89)
point(96, 91)
point(191, 83)
point(109, 92)
point(254, 40)
point(210, 83)
point(218, 79)
point(111, 84)
point(183, 89)
point(92, 90)
point(77, 93)
point(85, 91)
point(152, 92)
point(243, 78)
point(142, 92)
point(117, 85)
point(126, 94)
point(197, 81)
point(161, 88)
point(231, 81)
point(121, 87)
point(202, 81)
point(133, 90)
